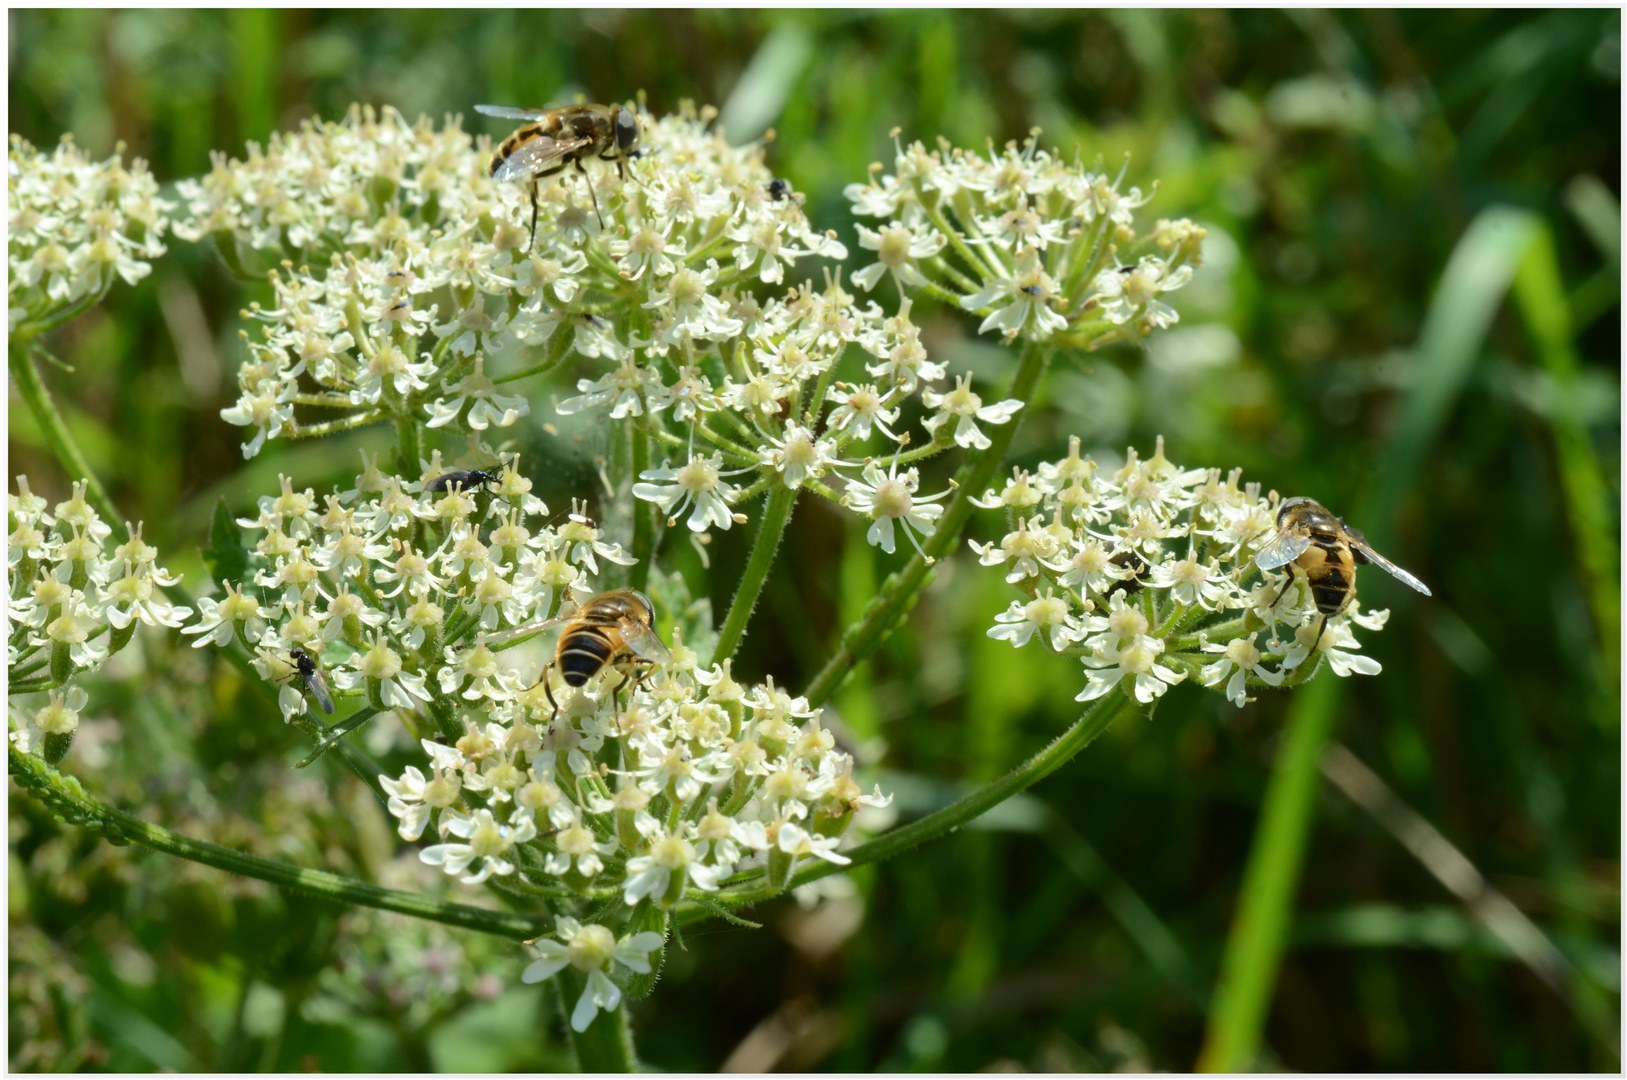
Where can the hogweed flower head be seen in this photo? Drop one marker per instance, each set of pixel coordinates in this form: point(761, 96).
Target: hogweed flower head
point(406, 288)
point(74, 227)
point(75, 599)
point(1147, 575)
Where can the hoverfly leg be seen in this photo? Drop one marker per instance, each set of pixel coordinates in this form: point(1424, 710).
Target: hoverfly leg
point(533, 243)
point(1284, 591)
point(644, 669)
point(588, 180)
point(547, 690)
point(1320, 630)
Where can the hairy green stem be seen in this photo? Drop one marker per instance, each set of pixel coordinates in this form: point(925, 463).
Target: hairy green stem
point(776, 513)
point(69, 802)
point(333, 427)
point(898, 594)
point(1097, 718)
point(406, 434)
point(558, 346)
point(67, 452)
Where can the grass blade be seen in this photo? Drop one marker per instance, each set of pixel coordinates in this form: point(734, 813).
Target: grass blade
point(1477, 277)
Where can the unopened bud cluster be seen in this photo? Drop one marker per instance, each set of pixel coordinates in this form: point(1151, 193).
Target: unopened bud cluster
point(73, 600)
point(1147, 575)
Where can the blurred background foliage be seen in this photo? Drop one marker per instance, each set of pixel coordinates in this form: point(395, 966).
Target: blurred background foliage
point(1338, 159)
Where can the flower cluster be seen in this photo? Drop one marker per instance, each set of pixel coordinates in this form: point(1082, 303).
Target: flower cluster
point(412, 268)
point(72, 603)
point(408, 596)
point(648, 788)
point(1145, 575)
point(1032, 243)
point(73, 227)
point(416, 290)
point(387, 585)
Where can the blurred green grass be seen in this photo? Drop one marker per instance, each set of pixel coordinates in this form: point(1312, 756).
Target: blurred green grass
point(1338, 158)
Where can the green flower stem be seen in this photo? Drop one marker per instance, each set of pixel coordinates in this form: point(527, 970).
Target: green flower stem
point(68, 802)
point(1248, 970)
point(957, 240)
point(816, 405)
point(1098, 717)
point(64, 316)
point(324, 401)
point(731, 448)
point(445, 714)
point(607, 1045)
point(67, 452)
point(643, 514)
point(897, 595)
point(406, 435)
point(951, 271)
point(776, 512)
point(931, 449)
point(943, 295)
point(333, 427)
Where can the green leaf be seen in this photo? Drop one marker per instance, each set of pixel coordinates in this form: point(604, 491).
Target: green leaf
point(226, 557)
point(331, 736)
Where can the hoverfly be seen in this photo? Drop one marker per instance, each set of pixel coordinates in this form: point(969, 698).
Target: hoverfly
point(1324, 551)
point(555, 138)
point(611, 628)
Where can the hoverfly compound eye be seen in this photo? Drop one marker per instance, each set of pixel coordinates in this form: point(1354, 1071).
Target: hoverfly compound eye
point(626, 129)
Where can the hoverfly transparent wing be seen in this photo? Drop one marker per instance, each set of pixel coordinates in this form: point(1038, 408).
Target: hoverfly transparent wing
point(509, 112)
point(1365, 553)
point(535, 155)
point(503, 637)
point(645, 642)
point(1287, 545)
point(317, 684)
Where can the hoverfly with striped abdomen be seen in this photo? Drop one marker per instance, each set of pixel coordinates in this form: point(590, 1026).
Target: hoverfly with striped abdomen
point(555, 138)
point(612, 628)
point(1324, 551)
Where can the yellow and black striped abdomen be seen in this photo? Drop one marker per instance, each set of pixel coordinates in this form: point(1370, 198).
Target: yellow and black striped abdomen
point(584, 651)
point(1330, 571)
point(511, 144)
